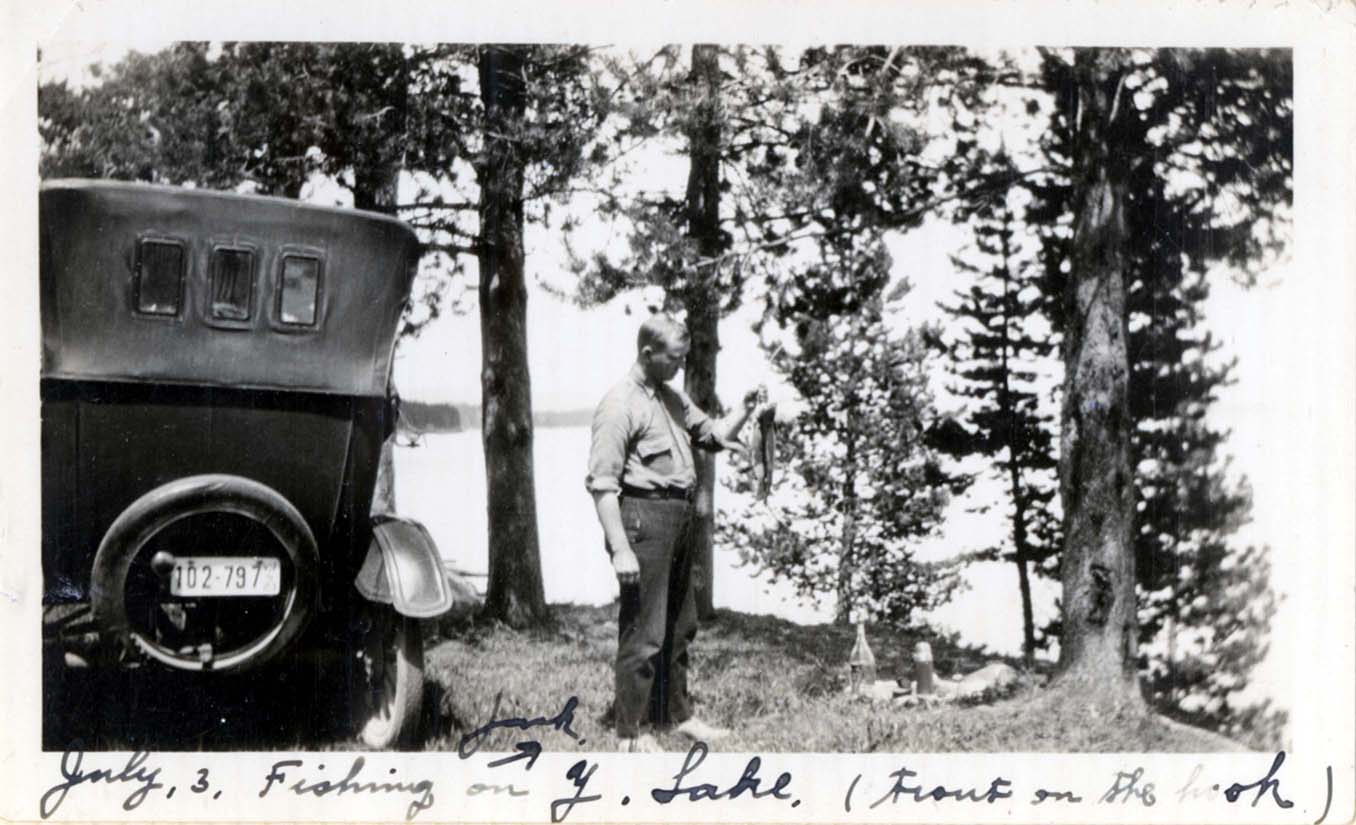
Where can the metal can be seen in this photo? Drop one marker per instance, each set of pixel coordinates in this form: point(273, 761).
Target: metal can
point(922, 668)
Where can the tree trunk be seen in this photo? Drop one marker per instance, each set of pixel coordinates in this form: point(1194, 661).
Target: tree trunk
point(1019, 536)
point(702, 302)
point(847, 564)
point(380, 196)
point(847, 553)
point(1097, 651)
point(514, 595)
point(377, 192)
point(699, 380)
point(1019, 540)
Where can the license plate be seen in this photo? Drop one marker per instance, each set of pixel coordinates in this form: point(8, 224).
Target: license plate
point(226, 576)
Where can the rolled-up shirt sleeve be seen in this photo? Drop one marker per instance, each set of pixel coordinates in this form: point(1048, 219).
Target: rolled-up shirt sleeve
point(700, 426)
point(607, 448)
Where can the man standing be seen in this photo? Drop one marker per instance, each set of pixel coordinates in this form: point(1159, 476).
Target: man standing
point(643, 481)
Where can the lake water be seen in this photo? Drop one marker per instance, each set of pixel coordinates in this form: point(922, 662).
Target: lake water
point(441, 483)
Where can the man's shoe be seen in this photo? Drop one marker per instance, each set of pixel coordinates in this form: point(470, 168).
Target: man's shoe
point(645, 743)
point(695, 728)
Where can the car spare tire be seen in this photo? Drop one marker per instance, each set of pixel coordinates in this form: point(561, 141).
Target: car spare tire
point(208, 572)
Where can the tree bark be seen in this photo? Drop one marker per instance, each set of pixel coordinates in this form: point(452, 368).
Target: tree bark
point(514, 594)
point(699, 381)
point(375, 182)
point(847, 566)
point(379, 195)
point(701, 300)
point(376, 192)
point(847, 552)
point(1021, 552)
point(1097, 651)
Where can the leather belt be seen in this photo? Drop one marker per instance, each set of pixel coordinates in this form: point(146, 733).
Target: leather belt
point(660, 494)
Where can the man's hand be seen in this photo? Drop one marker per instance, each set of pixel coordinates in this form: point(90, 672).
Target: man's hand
point(727, 429)
point(756, 402)
point(623, 557)
point(627, 567)
point(755, 398)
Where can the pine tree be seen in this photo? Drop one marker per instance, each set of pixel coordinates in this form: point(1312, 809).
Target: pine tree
point(1199, 640)
point(860, 485)
point(999, 357)
point(1184, 147)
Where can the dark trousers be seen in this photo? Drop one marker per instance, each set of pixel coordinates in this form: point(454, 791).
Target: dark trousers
point(658, 617)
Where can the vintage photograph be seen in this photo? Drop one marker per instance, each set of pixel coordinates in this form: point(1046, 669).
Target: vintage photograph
point(854, 398)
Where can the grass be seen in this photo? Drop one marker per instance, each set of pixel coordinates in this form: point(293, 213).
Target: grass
point(778, 685)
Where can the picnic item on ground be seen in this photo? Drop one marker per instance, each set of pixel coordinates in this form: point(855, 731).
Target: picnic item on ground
point(922, 668)
point(861, 662)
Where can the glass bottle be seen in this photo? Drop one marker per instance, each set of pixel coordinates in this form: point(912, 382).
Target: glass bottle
point(861, 663)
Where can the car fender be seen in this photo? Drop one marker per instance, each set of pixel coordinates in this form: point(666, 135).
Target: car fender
point(403, 569)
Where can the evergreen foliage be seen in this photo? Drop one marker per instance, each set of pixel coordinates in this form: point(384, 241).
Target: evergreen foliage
point(1001, 357)
point(1207, 176)
point(861, 481)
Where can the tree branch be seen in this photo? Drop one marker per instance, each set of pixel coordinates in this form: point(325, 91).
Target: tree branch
point(460, 206)
point(719, 259)
point(453, 248)
point(895, 220)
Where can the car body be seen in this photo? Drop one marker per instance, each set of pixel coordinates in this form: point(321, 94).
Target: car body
point(216, 374)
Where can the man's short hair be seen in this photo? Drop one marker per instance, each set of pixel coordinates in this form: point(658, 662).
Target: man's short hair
point(660, 330)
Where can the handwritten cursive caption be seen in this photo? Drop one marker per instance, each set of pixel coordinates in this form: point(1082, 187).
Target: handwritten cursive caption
point(138, 780)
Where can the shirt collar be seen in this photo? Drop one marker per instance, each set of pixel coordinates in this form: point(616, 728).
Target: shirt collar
point(637, 374)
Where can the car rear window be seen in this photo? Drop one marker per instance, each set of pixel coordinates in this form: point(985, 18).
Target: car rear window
point(300, 290)
point(232, 283)
point(159, 277)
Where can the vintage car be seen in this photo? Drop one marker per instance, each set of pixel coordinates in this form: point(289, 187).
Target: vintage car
point(216, 373)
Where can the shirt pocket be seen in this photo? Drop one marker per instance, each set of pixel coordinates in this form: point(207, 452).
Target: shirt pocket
point(656, 454)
